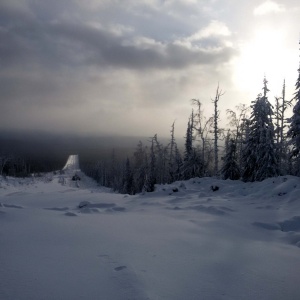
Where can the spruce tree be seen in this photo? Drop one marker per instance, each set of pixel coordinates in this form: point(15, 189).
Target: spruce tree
point(294, 128)
point(172, 157)
point(140, 167)
point(178, 164)
point(127, 187)
point(150, 179)
point(193, 165)
point(230, 169)
point(188, 152)
point(259, 153)
point(161, 166)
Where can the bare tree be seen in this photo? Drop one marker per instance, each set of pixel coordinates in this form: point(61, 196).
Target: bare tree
point(4, 160)
point(215, 101)
point(202, 127)
point(281, 105)
point(238, 121)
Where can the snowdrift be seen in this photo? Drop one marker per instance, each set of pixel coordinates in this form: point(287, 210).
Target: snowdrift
point(198, 239)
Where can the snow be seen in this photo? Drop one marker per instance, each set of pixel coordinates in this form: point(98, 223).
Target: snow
point(183, 241)
point(72, 163)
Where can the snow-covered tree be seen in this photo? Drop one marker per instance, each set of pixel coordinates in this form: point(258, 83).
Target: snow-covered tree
point(259, 153)
point(188, 150)
point(193, 165)
point(140, 166)
point(150, 179)
point(128, 187)
point(4, 160)
point(172, 156)
point(294, 127)
point(114, 171)
point(230, 169)
point(178, 164)
point(161, 165)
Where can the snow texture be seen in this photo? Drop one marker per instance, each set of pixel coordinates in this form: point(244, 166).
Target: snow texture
point(183, 241)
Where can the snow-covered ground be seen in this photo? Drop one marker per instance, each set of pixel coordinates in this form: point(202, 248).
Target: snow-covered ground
point(62, 240)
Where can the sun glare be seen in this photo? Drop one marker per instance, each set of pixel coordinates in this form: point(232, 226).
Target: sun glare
point(266, 54)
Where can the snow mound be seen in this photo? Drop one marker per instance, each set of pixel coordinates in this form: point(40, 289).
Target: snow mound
point(286, 187)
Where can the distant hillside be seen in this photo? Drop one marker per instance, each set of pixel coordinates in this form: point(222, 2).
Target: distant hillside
point(50, 151)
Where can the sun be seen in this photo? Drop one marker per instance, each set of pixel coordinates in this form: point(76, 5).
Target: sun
point(266, 54)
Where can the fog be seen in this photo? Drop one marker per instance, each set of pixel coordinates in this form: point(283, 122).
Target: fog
point(49, 152)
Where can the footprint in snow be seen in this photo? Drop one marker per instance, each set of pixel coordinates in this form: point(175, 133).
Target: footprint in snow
point(70, 214)
point(120, 268)
point(125, 279)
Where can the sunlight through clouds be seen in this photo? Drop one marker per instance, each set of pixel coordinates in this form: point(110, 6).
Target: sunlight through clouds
point(99, 55)
point(266, 54)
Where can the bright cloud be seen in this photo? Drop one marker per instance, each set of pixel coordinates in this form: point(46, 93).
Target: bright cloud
point(268, 7)
point(214, 36)
point(215, 28)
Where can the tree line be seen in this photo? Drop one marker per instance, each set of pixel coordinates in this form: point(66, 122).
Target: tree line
point(262, 142)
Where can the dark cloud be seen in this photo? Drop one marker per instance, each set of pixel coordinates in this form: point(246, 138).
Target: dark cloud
point(72, 44)
point(47, 56)
point(54, 34)
point(89, 65)
point(15, 12)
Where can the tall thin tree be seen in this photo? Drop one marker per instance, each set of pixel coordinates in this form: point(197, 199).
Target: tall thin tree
point(259, 153)
point(294, 127)
point(215, 101)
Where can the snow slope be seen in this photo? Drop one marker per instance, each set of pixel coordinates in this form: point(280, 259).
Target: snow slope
point(183, 241)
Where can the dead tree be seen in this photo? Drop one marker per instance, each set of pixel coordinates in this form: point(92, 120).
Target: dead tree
point(215, 101)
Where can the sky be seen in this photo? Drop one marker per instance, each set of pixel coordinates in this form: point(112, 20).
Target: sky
point(125, 67)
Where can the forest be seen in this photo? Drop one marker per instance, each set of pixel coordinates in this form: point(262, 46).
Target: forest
point(261, 141)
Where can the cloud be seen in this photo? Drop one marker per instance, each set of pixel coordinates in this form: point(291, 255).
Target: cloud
point(63, 43)
point(110, 64)
point(214, 36)
point(14, 10)
point(215, 28)
point(268, 7)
